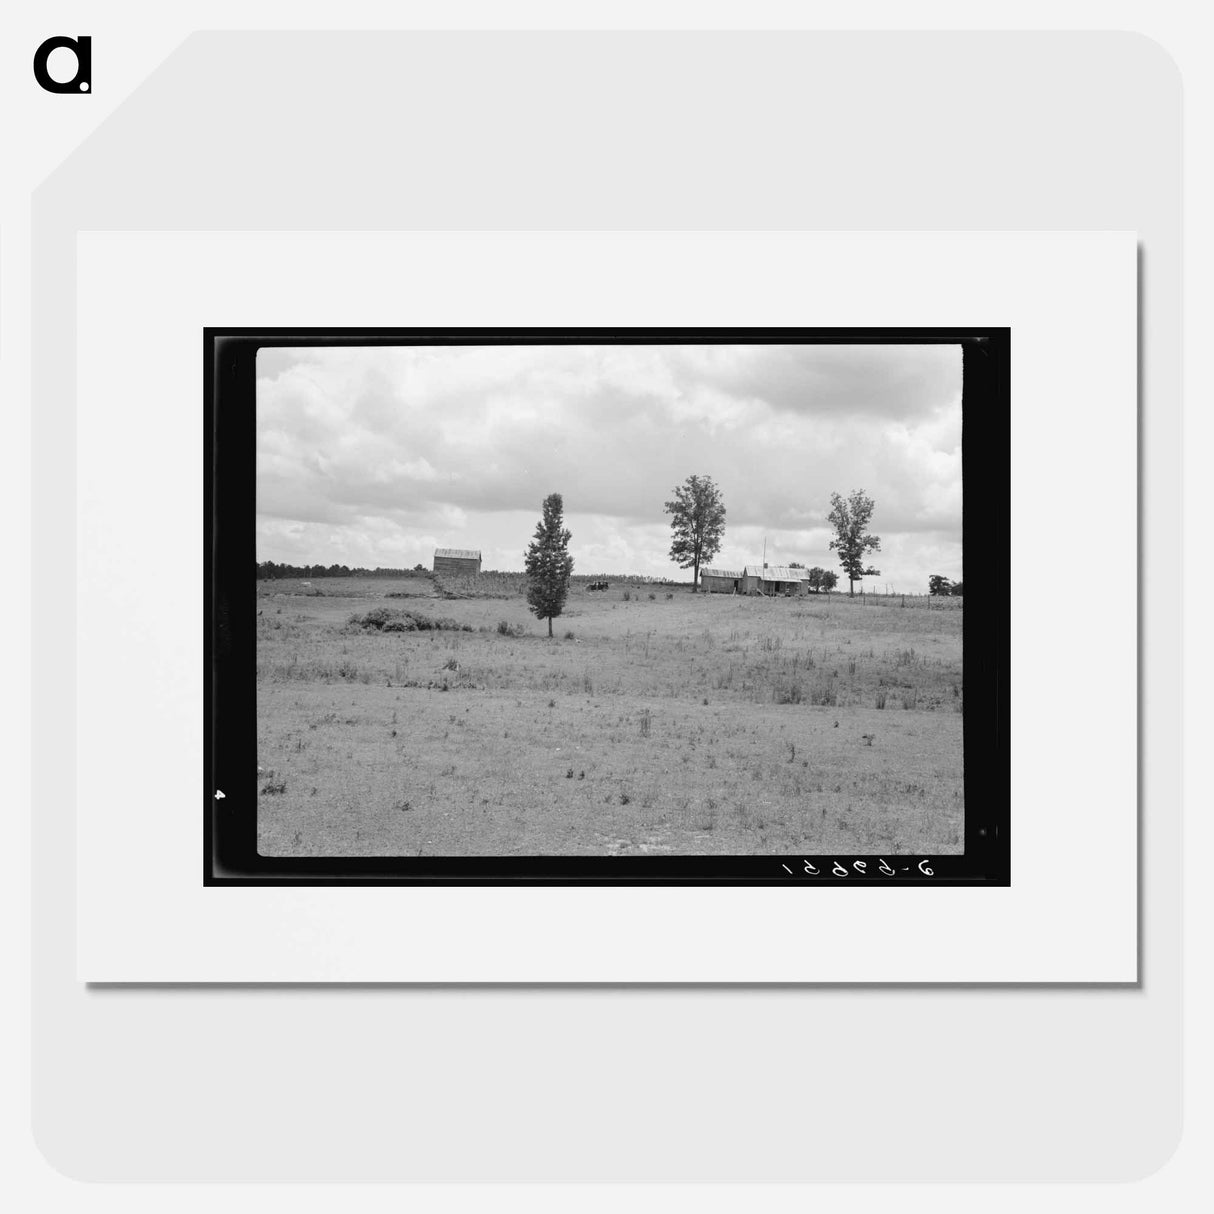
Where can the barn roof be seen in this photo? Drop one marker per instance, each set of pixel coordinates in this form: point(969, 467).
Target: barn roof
point(726, 573)
point(463, 554)
point(777, 573)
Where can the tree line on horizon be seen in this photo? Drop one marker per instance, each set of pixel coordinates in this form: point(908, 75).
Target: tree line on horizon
point(275, 569)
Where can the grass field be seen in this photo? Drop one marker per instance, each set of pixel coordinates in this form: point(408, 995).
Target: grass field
point(655, 721)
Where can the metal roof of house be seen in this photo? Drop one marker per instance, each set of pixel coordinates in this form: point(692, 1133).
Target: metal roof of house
point(777, 573)
point(463, 554)
point(725, 573)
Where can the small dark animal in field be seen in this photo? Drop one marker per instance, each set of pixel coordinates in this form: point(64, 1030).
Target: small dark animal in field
point(598, 586)
point(868, 738)
point(836, 724)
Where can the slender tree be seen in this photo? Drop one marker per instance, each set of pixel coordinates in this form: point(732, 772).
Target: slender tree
point(698, 524)
point(850, 517)
point(548, 563)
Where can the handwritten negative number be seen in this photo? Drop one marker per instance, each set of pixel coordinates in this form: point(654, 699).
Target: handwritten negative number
point(861, 867)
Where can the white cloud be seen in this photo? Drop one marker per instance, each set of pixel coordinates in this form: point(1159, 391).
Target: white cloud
point(376, 455)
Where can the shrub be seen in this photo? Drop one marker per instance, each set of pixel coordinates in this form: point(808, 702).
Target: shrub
point(392, 619)
point(788, 692)
point(375, 619)
point(399, 626)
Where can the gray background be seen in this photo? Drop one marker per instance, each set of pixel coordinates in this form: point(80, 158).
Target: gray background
point(678, 131)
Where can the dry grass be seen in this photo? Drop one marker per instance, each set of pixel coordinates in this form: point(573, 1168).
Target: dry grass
point(678, 714)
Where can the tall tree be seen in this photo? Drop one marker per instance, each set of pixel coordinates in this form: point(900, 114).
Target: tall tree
point(698, 524)
point(850, 516)
point(548, 563)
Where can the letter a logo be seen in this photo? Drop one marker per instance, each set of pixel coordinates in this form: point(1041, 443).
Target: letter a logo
point(82, 81)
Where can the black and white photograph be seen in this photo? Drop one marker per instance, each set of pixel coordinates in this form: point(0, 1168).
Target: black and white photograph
point(626, 600)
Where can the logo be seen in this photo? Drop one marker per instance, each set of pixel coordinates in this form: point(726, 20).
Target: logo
point(82, 81)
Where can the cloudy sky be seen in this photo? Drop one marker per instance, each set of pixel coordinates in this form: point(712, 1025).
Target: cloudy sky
point(376, 456)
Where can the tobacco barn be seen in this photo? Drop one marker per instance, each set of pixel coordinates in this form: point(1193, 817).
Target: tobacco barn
point(721, 581)
point(457, 560)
